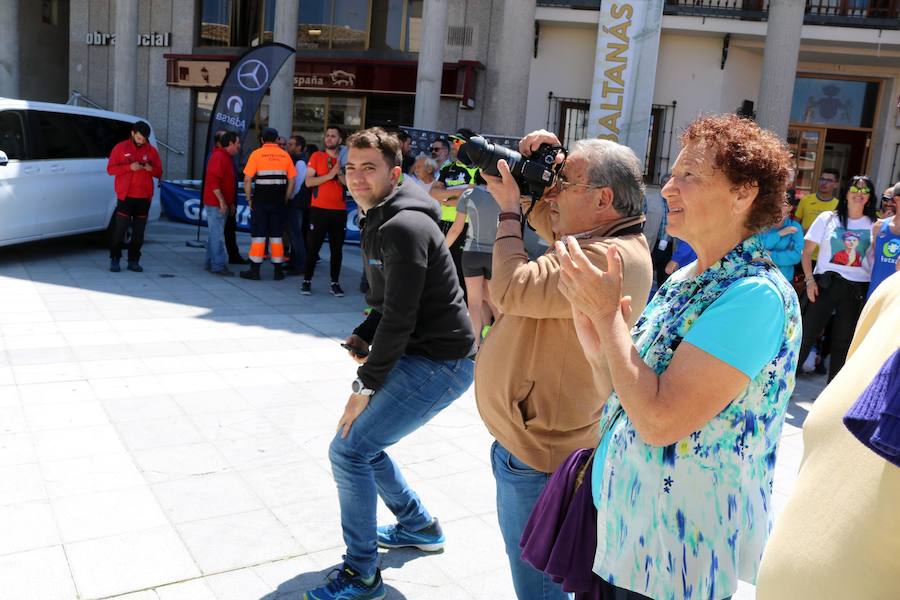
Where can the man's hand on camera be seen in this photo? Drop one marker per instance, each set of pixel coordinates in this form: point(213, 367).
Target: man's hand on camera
point(533, 140)
point(504, 189)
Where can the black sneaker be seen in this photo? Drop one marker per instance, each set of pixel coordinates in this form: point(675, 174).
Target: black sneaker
point(134, 266)
point(306, 288)
point(114, 265)
point(336, 290)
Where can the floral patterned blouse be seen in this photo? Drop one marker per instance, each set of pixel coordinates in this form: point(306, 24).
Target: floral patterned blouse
point(687, 520)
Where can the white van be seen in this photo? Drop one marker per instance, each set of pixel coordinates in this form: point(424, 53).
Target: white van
point(53, 178)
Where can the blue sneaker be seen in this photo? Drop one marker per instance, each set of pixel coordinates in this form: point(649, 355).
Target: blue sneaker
point(348, 585)
point(430, 539)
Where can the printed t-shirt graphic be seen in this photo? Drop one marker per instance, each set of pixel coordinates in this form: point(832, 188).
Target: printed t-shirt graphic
point(841, 249)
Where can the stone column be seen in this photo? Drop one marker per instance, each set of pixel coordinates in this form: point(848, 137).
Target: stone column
point(431, 64)
point(125, 56)
point(281, 92)
point(9, 48)
point(510, 51)
point(782, 51)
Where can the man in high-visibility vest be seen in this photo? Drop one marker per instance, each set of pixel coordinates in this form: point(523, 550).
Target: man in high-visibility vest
point(273, 172)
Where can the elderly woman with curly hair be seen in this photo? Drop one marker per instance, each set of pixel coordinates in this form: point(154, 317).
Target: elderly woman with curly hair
point(683, 471)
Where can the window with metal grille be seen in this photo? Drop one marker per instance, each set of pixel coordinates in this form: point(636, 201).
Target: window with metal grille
point(567, 117)
point(659, 145)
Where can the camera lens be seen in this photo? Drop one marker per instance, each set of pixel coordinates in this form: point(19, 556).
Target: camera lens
point(478, 152)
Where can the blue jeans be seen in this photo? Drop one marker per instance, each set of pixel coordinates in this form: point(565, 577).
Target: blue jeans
point(415, 390)
point(216, 257)
point(298, 239)
point(518, 488)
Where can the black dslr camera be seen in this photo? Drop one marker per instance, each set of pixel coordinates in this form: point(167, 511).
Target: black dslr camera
point(533, 174)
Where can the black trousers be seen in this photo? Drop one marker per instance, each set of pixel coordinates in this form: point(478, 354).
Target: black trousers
point(267, 219)
point(231, 245)
point(129, 212)
point(456, 252)
point(846, 300)
point(332, 223)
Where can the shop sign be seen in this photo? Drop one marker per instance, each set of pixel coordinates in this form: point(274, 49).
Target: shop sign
point(199, 73)
point(336, 79)
point(156, 40)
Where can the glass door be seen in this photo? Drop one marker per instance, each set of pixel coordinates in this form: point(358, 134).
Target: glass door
point(806, 146)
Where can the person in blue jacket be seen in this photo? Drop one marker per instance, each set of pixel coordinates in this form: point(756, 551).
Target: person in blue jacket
point(785, 243)
point(682, 255)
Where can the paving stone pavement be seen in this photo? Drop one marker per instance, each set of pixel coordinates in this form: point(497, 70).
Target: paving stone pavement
point(163, 435)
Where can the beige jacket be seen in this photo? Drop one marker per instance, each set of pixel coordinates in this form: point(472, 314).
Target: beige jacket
point(535, 389)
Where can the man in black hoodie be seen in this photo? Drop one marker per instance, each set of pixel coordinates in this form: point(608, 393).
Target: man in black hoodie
point(420, 338)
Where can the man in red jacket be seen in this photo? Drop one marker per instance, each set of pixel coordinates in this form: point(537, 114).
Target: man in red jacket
point(134, 163)
point(219, 196)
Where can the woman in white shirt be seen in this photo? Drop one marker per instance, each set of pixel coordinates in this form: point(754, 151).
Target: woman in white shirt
point(837, 283)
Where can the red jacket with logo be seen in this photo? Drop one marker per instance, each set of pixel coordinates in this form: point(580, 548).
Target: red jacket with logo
point(133, 184)
point(219, 176)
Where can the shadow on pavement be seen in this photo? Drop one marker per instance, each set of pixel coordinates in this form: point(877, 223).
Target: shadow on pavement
point(174, 281)
point(293, 588)
point(796, 414)
point(397, 557)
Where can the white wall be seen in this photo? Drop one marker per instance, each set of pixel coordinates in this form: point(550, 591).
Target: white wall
point(564, 65)
point(688, 73)
point(743, 72)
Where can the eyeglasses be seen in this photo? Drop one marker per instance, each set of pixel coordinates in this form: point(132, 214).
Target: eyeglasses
point(827, 180)
point(435, 149)
point(859, 190)
point(560, 185)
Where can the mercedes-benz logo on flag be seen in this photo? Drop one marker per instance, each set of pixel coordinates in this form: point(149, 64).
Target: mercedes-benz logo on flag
point(253, 75)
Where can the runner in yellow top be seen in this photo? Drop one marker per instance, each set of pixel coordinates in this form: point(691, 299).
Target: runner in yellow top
point(824, 200)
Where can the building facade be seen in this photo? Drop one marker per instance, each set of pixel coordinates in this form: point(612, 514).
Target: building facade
point(508, 66)
point(845, 106)
point(356, 63)
point(34, 49)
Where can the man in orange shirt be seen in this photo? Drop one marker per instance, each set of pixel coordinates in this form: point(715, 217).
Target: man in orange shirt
point(274, 173)
point(328, 212)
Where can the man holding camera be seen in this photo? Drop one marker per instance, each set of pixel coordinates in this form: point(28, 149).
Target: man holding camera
point(420, 340)
point(535, 389)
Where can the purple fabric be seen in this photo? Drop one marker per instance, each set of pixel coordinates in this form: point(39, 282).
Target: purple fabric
point(875, 417)
point(560, 538)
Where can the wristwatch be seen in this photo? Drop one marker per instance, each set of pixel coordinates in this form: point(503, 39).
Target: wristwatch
point(360, 388)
